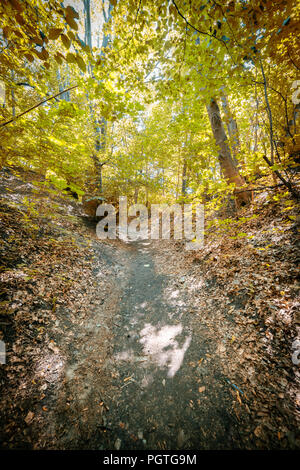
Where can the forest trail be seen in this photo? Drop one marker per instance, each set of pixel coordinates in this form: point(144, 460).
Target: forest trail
point(159, 400)
point(128, 109)
point(160, 386)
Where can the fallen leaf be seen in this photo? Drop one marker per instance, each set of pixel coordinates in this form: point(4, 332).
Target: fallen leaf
point(29, 417)
point(258, 431)
point(238, 397)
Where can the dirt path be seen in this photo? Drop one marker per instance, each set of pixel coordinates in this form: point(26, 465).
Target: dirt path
point(164, 394)
point(115, 361)
point(139, 345)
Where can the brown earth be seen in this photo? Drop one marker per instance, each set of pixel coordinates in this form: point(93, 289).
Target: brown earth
point(144, 345)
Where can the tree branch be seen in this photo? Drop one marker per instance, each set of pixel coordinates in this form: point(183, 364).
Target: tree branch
point(286, 183)
point(202, 32)
point(261, 188)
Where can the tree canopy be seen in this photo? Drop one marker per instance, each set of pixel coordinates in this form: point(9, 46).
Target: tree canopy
point(167, 100)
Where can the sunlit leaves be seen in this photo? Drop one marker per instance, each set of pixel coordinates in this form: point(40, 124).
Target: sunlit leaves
point(65, 40)
point(72, 23)
point(26, 34)
point(80, 62)
point(71, 12)
point(152, 80)
point(59, 58)
point(42, 54)
point(54, 33)
point(71, 58)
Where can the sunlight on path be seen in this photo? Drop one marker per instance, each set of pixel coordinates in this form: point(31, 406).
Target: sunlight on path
point(155, 342)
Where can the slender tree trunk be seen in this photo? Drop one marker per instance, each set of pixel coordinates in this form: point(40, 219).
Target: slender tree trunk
point(146, 187)
point(255, 124)
point(275, 173)
point(184, 178)
point(177, 182)
point(100, 125)
point(98, 167)
point(88, 41)
point(231, 127)
point(63, 83)
point(136, 194)
point(269, 112)
point(87, 23)
point(227, 164)
point(13, 99)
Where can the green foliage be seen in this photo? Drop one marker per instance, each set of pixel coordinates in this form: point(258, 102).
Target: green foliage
point(146, 90)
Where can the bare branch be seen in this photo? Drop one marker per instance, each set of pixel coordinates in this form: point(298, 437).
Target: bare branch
point(202, 32)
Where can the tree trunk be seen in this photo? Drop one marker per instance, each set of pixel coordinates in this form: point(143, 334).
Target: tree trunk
point(99, 124)
point(228, 167)
point(232, 128)
point(98, 137)
point(136, 194)
point(184, 178)
point(87, 23)
point(98, 168)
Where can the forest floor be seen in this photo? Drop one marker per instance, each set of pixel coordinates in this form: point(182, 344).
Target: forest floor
point(144, 345)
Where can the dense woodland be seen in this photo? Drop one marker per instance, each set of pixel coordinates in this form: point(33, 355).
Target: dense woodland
point(186, 101)
point(158, 100)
